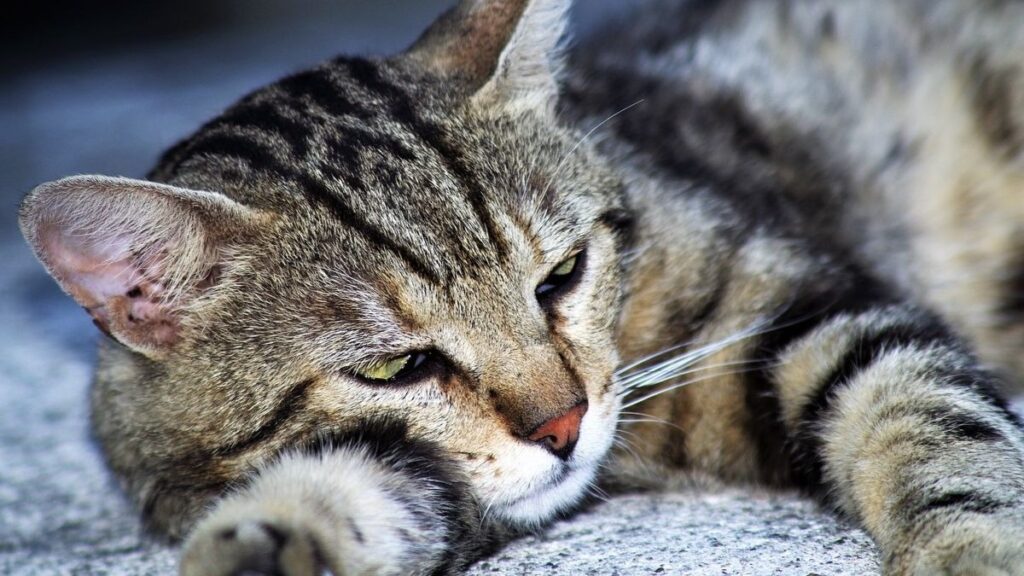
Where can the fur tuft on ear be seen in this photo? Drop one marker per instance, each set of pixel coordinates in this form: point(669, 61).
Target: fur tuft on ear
point(505, 50)
point(134, 254)
point(529, 67)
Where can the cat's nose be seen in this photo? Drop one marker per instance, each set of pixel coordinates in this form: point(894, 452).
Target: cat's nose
point(559, 434)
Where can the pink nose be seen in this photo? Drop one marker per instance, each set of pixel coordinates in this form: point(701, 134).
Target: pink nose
point(559, 434)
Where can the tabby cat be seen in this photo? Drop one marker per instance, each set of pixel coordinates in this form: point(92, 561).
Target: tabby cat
point(382, 315)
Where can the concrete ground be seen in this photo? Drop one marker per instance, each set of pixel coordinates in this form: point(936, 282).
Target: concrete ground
point(60, 513)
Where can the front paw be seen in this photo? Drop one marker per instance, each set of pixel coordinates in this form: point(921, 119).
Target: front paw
point(251, 543)
point(966, 545)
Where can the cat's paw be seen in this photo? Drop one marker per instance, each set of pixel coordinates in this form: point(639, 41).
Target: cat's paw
point(251, 545)
point(971, 545)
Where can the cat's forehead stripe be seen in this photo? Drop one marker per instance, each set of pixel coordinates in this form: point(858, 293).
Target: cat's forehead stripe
point(318, 87)
point(270, 117)
point(263, 157)
point(357, 134)
point(431, 135)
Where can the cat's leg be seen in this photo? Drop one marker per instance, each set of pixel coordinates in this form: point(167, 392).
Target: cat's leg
point(890, 414)
point(349, 507)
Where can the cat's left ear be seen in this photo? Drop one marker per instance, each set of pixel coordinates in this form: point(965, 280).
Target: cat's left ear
point(138, 256)
point(507, 51)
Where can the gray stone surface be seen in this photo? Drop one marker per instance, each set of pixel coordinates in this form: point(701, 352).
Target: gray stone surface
point(731, 532)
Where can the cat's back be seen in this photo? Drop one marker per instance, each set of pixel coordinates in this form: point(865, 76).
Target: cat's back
point(890, 131)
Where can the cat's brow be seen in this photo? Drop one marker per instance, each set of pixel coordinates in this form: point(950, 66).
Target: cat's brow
point(431, 135)
point(557, 238)
point(368, 324)
point(345, 347)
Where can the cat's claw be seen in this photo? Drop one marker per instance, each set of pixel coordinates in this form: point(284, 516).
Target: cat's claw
point(251, 548)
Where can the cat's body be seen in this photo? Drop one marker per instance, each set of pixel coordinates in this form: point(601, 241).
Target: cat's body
point(796, 205)
point(883, 137)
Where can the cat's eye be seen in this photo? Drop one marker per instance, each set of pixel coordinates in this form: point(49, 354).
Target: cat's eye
point(563, 277)
point(392, 369)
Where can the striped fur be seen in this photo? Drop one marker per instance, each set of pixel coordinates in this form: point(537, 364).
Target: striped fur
point(800, 244)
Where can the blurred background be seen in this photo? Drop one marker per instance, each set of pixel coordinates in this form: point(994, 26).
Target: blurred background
point(103, 86)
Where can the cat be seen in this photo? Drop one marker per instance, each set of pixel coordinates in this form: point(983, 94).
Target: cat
point(383, 315)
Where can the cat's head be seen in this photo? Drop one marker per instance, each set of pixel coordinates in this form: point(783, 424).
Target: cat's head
point(414, 238)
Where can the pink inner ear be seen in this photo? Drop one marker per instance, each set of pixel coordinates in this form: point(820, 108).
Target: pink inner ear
point(124, 300)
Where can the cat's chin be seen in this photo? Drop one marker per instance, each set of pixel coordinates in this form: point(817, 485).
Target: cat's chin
point(571, 484)
point(545, 504)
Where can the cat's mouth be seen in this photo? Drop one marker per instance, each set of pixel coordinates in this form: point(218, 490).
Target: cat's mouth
point(566, 489)
point(562, 485)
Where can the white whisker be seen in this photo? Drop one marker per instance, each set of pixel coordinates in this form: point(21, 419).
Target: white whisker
point(650, 421)
point(565, 158)
point(659, 392)
point(643, 360)
point(647, 418)
point(690, 356)
point(487, 511)
point(596, 491)
point(626, 446)
point(647, 383)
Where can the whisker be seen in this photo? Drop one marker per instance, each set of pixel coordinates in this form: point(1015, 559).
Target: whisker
point(625, 445)
point(625, 432)
point(487, 511)
point(663, 370)
point(630, 378)
point(640, 417)
point(565, 158)
point(756, 330)
point(624, 442)
point(597, 492)
point(688, 357)
point(624, 369)
point(695, 353)
point(646, 383)
point(671, 369)
point(676, 386)
point(651, 421)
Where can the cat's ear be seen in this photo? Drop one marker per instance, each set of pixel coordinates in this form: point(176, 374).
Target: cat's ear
point(506, 50)
point(136, 255)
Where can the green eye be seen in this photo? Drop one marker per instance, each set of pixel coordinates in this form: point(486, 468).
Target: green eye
point(561, 278)
point(385, 370)
point(404, 368)
point(566, 268)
